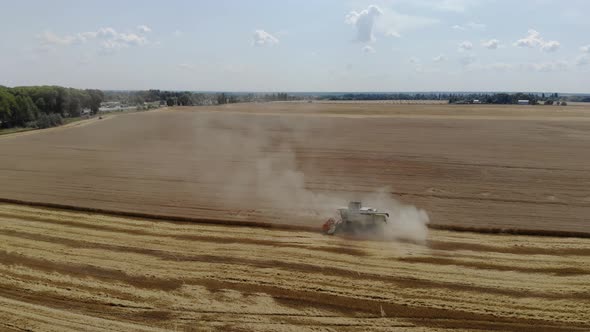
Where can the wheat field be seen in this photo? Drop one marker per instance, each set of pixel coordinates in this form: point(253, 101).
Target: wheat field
point(72, 271)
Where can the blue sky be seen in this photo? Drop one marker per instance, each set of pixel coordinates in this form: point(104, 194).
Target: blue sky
point(323, 45)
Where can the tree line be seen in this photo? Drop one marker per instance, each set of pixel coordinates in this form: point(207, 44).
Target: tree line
point(189, 98)
point(45, 106)
point(453, 98)
point(506, 98)
point(388, 96)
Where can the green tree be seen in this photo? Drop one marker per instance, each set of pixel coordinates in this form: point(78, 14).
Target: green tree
point(185, 99)
point(95, 99)
point(221, 99)
point(40, 103)
point(170, 101)
point(7, 106)
point(25, 111)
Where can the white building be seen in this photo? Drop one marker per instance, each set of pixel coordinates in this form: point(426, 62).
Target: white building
point(523, 102)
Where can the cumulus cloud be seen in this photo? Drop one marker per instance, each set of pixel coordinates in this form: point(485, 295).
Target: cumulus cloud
point(534, 39)
point(108, 38)
point(550, 46)
point(384, 21)
point(368, 49)
point(491, 44)
point(439, 58)
point(263, 38)
point(144, 28)
point(465, 46)
point(585, 49)
point(364, 22)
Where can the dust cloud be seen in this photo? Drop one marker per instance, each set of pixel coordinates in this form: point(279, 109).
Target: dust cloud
point(254, 159)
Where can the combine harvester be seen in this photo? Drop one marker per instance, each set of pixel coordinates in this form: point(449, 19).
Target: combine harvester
point(355, 219)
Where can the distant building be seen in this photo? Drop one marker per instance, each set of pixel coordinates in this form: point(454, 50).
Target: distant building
point(523, 102)
point(476, 101)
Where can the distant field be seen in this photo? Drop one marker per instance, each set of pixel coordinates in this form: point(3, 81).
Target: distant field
point(423, 108)
point(480, 166)
point(69, 271)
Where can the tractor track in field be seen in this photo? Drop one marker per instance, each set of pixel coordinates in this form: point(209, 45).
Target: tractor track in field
point(471, 173)
point(142, 274)
point(163, 220)
point(270, 225)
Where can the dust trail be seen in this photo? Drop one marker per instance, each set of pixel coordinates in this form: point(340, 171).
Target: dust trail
point(406, 222)
point(266, 168)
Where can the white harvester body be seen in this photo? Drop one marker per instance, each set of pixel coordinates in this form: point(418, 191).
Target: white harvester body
point(355, 218)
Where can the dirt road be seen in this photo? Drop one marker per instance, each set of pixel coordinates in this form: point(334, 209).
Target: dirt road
point(66, 271)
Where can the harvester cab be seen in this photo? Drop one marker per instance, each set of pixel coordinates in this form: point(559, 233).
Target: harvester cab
point(355, 219)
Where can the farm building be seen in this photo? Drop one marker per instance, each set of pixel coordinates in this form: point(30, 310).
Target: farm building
point(523, 102)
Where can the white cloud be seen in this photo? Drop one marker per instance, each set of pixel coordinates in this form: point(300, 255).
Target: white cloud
point(385, 21)
point(465, 46)
point(585, 49)
point(458, 27)
point(368, 49)
point(491, 44)
point(263, 38)
point(109, 38)
point(414, 60)
point(144, 28)
point(550, 46)
point(439, 58)
point(534, 39)
point(364, 21)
